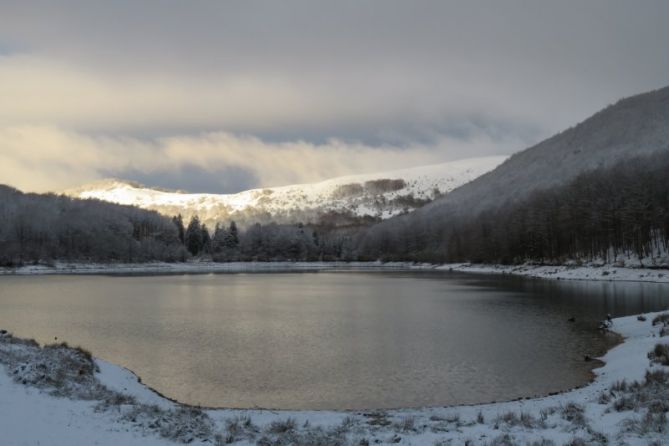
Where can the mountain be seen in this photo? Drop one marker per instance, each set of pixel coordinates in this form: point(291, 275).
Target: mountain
point(633, 127)
point(339, 200)
point(519, 196)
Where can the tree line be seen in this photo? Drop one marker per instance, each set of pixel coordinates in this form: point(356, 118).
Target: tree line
point(605, 213)
point(602, 214)
point(42, 228)
point(45, 227)
point(268, 242)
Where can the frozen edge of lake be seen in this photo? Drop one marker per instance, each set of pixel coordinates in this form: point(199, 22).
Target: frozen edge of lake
point(600, 272)
point(31, 416)
point(202, 267)
point(608, 273)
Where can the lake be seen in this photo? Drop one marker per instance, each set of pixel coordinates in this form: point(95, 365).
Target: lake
point(331, 340)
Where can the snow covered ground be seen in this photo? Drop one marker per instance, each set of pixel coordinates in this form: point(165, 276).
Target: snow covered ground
point(59, 395)
point(201, 267)
point(567, 272)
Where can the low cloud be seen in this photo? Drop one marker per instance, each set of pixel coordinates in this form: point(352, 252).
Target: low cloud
point(192, 178)
point(44, 91)
point(272, 93)
point(43, 158)
point(362, 104)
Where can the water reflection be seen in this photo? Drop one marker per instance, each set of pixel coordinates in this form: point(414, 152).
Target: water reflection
point(331, 340)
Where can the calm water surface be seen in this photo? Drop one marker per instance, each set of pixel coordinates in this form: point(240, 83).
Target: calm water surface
point(330, 340)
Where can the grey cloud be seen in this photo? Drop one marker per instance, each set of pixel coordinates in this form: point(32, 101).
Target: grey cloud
point(380, 72)
point(191, 178)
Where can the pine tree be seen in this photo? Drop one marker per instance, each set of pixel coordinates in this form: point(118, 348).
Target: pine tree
point(179, 223)
point(206, 239)
point(218, 240)
point(193, 236)
point(232, 239)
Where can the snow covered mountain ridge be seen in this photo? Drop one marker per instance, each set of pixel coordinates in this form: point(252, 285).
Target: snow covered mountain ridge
point(341, 200)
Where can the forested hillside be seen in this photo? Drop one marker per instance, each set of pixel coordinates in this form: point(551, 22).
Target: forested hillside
point(608, 214)
point(37, 227)
point(596, 191)
point(634, 127)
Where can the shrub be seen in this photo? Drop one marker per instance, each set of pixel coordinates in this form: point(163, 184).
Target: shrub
point(511, 419)
point(480, 419)
point(660, 354)
point(503, 440)
point(181, 425)
point(407, 424)
point(378, 419)
point(619, 386)
point(347, 423)
point(187, 424)
point(281, 427)
point(657, 376)
point(650, 422)
point(661, 318)
point(115, 399)
point(453, 418)
point(652, 393)
point(62, 370)
point(574, 413)
point(239, 427)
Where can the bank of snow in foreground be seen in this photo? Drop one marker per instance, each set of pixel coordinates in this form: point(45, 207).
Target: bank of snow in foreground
point(61, 395)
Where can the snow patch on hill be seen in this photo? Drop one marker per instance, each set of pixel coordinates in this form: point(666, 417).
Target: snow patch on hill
point(379, 195)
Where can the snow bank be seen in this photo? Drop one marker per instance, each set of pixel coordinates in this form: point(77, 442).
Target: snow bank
point(567, 272)
point(201, 267)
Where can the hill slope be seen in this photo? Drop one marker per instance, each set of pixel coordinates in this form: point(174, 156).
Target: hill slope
point(379, 195)
point(515, 198)
point(633, 127)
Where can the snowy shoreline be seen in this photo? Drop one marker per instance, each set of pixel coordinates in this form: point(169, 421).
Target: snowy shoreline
point(29, 415)
point(128, 412)
point(599, 272)
point(62, 268)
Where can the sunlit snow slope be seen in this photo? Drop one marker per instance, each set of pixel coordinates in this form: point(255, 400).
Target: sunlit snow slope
point(342, 200)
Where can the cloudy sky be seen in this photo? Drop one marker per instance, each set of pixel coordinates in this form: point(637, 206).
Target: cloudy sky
point(223, 96)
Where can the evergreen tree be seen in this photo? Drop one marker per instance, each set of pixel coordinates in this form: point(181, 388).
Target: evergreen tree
point(206, 239)
point(232, 240)
point(193, 236)
point(179, 223)
point(218, 240)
